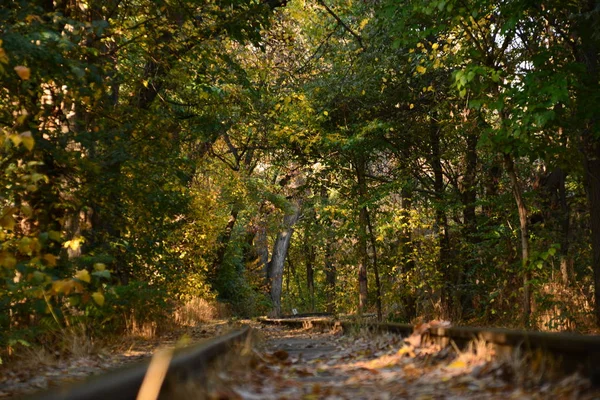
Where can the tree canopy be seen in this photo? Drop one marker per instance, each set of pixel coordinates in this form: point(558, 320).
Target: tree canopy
point(417, 159)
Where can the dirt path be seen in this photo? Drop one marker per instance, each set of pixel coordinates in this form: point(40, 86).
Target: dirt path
point(304, 364)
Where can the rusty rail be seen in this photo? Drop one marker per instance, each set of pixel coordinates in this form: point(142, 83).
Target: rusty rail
point(572, 352)
point(125, 383)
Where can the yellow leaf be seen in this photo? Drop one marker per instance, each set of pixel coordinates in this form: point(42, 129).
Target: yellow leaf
point(325, 113)
point(457, 364)
point(16, 139)
point(23, 72)
point(99, 266)
point(421, 69)
point(7, 260)
point(3, 56)
point(73, 243)
point(54, 235)
point(430, 89)
point(83, 275)
point(27, 140)
point(26, 210)
point(25, 245)
point(7, 222)
point(98, 298)
point(63, 286)
point(411, 106)
point(406, 350)
point(435, 46)
point(50, 260)
point(364, 23)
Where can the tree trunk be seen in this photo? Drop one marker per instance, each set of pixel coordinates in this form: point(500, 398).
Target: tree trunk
point(330, 276)
point(468, 198)
point(523, 224)
point(310, 274)
point(592, 177)
point(329, 267)
point(407, 250)
point(469, 189)
point(375, 269)
point(280, 250)
point(363, 254)
point(587, 98)
point(441, 221)
point(223, 242)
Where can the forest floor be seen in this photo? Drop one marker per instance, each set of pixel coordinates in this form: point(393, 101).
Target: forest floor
point(37, 370)
point(306, 364)
point(283, 363)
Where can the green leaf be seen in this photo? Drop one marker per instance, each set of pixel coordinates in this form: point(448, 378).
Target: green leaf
point(102, 274)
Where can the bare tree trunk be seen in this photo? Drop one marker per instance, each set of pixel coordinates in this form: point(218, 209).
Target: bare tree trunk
point(375, 269)
point(330, 276)
point(329, 263)
point(589, 86)
point(280, 250)
point(363, 254)
point(468, 197)
point(523, 222)
point(310, 274)
point(441, 221)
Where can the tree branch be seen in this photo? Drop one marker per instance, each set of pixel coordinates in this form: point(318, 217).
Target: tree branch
point(342, 23)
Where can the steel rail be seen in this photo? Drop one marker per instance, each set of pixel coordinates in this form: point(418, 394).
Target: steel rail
point(572, 352)
point(124, 383)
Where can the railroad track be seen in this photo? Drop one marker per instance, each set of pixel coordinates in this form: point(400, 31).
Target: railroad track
point(573, 353)
point(190, 363)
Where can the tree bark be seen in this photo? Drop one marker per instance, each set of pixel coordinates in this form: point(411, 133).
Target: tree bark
point(375, 269)
point(280, 250)
point(468, 199)
point(330, 276)
point(363, 254)
point(223, 242)
point(587, 99)
point(310, 274)
point(441, 221)
point(523, 224)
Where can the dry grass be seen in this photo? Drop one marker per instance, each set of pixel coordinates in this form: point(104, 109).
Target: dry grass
point(145, 330)
point(478, 351)
point(196, 311)
point(71, 342)
point(568, 310)
point(531, 367)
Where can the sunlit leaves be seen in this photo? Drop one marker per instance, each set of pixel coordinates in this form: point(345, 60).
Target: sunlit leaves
point(98, 298)
point(83, 275)
point(27, 140)
point(7, 260)
point(23, 72)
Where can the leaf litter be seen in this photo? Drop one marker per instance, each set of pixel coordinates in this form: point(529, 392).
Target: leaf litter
point(307, 364)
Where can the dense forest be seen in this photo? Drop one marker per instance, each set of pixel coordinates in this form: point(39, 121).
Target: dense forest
point(414, 159)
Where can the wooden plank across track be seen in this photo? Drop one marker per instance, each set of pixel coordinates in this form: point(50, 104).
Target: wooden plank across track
point(572, 352)
point(124, 384)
